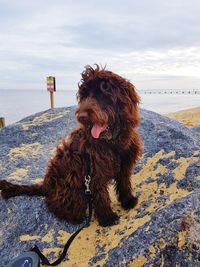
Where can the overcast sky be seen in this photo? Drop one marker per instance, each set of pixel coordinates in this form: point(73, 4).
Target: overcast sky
point(154, 43)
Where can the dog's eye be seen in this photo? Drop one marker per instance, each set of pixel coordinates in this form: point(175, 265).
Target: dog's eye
point(104, 86)
point(84, 93)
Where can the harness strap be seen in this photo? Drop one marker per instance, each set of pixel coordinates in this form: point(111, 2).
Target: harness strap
point(43, 259)
point(87, 161)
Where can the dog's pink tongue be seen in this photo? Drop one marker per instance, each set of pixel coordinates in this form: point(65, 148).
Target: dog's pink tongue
point(97, 129)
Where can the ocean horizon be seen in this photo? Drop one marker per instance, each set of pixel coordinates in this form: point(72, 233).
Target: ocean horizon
point(18, 104)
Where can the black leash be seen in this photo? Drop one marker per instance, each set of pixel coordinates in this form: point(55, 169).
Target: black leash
point(44, 260)
point(25, 257)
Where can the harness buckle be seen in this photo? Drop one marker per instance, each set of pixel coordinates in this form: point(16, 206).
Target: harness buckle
point(87, 185)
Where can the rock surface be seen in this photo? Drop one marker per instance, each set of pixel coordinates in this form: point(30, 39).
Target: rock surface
point(163, 229)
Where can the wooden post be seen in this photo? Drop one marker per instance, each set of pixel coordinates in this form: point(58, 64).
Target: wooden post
point(2, 122)
point(52, 99)
point(51, 87)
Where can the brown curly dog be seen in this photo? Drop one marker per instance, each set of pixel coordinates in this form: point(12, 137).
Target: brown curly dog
point(108, 116)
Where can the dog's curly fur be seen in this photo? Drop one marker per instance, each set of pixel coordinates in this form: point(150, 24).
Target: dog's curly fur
point(108, 116)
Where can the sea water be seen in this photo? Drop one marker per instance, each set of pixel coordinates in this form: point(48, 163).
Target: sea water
point(17, 104)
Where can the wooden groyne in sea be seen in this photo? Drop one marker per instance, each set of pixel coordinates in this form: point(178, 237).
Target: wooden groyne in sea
point(170, 91)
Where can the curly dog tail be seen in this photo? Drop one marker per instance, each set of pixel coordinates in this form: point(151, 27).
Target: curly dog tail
point(11, 190)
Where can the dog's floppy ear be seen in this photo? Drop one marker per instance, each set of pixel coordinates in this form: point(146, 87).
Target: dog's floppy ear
point(133, 94)
point(128, 96)
point(128, 102)
point(135, 104)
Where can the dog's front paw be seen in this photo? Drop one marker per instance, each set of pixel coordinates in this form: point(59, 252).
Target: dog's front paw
point(109, 219)
point(129, 203)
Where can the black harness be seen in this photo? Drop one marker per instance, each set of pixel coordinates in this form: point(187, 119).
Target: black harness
point(33, 258)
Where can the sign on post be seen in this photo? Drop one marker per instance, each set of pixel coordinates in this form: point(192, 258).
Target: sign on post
point(51, 87)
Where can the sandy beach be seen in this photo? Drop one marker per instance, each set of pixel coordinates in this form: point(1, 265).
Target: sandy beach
point(189, 117)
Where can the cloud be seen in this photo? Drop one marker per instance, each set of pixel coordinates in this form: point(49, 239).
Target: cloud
point(153, 43)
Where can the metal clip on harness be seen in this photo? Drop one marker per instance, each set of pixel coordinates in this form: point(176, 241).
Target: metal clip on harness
point(87, 185)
